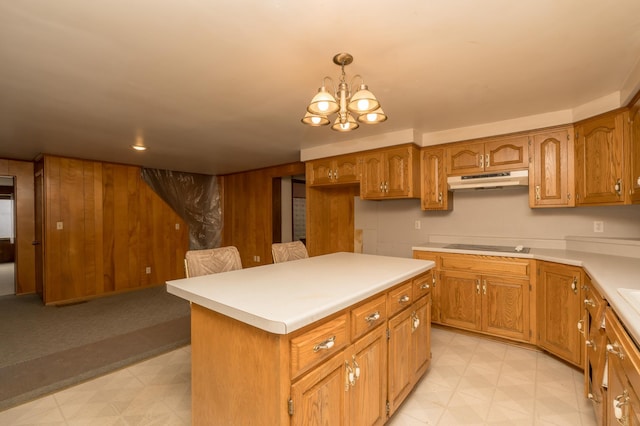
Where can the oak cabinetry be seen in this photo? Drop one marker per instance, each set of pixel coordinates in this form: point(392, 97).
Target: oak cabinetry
point(391, 173)
point(488, 294)
point(344, 169)
point(634, 150)
point(622, 401)
point(560, 308)
point(489, 155)
point(434, 192)
point(551, 173)
point(599, 160)
point(592, 328)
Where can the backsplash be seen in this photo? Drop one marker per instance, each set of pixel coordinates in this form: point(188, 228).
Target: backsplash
point(489, 216)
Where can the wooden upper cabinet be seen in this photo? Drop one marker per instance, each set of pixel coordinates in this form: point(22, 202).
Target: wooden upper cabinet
point(599, 160)
point(434, 192)
point(551, 173)
point(344, 169)
point(489, 155)
point(634, 149)
point(391, 173)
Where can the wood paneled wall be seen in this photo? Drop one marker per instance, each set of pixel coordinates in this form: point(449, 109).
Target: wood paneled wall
point(330, 219)
point(22, 171)
point(247, 211)
point(113, 227)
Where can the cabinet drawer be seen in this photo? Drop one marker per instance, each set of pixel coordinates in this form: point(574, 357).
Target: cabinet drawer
point(399, 298)
point(422, 285)
point(368, 316)
point(594, 303)
point(486, 264)
point(318, 344)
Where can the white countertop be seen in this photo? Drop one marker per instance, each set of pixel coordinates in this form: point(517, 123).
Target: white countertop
point(609, 273)
point(281, 298)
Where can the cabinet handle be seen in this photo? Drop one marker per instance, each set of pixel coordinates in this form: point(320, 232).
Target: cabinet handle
point(477, 286)
point(440, 197)
point(619, 402)
point(591, 344)
point(484, 287)
point(593, 398)
point(327, 344)
point(589, 302)
point(335, 175)
point(614, 349)
point(433, 281)
point(404, 299)
point(381, 186)
point(329, 174)
point(537, 192)
point(386, 187)
point(349, 376)
point(574, 285)
point(581, 327)
point(486, 160)
point(481, 161)
point(373, 317)
point(356, 368)
point(415, 321)
point(618, 187)
point(424, 286)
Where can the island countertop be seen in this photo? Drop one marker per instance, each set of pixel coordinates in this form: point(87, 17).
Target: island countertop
point(283, 297)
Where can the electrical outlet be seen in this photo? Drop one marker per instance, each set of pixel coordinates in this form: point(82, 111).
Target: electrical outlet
point(148, 269)
point(418, 224)
point(598, 226)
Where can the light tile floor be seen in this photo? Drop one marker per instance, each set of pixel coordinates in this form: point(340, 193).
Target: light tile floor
point(472, 381)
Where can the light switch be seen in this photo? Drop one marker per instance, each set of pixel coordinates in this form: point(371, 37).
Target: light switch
point(59, 225)
point(148, 269)
point(177, 226)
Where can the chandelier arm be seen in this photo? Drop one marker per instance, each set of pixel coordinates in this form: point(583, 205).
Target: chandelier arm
point(333, 86)
point(354, 78)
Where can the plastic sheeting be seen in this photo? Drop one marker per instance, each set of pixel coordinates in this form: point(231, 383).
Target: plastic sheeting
point(195, 198)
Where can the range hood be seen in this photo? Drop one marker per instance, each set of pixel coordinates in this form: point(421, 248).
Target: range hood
point(489, 180)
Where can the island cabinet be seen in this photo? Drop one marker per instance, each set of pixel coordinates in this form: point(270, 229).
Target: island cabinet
point(599, 160)
point(434, 192)
point(551, 171)
point(488, 294)
point(560, 308)
point(503, 153)
point(623, 374)
point(352, 367)
point(391, 173)
point(592, 327)
point(340, 170)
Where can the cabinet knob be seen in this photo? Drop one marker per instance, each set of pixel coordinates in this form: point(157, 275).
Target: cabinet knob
point(589, 302)
point(618, 187)
point(537, 192)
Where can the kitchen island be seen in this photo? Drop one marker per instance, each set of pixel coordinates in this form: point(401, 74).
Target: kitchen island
point(308, 341)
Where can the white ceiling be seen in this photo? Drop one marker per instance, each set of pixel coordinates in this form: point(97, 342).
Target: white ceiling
point(217, 86)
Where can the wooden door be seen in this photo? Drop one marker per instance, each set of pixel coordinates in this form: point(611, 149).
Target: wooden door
point(421, 337)
point(509, 153)
point(559, 310)
point(368, 395)
point(400, 374)
point(320, 396)
point(373, 178)
point(634, 151)
point(465, 159)
point(434, 193)
point(551, 173)
point(397, 167)
point(39, 233)
point(346, 169)
point(599, 178)
point(505, 307)
point(460, 302)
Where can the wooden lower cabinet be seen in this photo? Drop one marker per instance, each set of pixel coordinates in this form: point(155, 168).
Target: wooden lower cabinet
point(409, 350)
point(623, 375)
point(560, 308)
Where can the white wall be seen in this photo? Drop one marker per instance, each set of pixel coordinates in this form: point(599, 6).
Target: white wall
point(389, 226)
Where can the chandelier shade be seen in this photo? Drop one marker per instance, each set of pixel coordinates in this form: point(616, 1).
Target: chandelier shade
point(344, 101)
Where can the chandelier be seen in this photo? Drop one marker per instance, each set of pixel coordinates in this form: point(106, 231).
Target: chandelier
point(363, 104)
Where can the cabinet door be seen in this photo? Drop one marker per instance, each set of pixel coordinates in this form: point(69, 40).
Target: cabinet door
point(552, 174)
point(368, 395)
point(634, 149)
point(346, 169)
point(400, 374)
point(434, 193)
point(460, 302)
point(559, 310)
point(599, 178)
point(421, 337)
point(398, 172)
point(505, 307)
point(465, 159)
point(372, 183)
point(510, 153)
point(320, 396)
point(319, 172)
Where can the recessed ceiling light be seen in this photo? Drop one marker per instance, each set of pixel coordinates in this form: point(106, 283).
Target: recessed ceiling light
point(139, 147)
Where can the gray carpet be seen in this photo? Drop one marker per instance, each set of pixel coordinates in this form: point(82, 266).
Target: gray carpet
point(44, 349)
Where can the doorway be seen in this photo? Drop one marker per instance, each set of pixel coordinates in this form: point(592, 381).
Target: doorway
point(7, 236)
point(289, 209)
